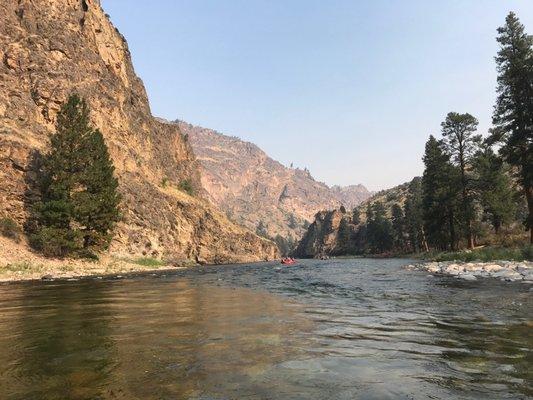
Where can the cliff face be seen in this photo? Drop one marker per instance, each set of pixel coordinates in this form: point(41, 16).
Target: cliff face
point(50, 48)
point(334, 233)
point(254, 189)
point(321, 238)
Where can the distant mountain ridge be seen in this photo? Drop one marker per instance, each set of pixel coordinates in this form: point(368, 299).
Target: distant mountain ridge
point(259, 192)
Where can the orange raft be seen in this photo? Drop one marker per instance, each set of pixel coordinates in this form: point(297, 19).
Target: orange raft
point(288, 261)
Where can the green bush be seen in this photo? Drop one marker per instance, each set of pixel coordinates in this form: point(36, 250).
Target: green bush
point(56, 242)
point(187, 187)
point(10, 229)
point(527, 252)
point(488, 254)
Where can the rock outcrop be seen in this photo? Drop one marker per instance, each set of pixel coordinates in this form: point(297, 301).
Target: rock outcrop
point(507, 271)
point(255, 190)
point(334, 233)
point(50, 48)
point(322, 236)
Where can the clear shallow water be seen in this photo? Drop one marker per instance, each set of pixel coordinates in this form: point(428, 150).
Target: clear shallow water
point(339, 329)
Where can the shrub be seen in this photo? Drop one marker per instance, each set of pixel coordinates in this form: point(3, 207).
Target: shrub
point(187, 187)
point(10, 229)
point(527, 252)
point(56, 242)
point(489, 254)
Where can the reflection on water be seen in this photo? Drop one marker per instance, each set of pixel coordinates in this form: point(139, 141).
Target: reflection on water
point(364, 329)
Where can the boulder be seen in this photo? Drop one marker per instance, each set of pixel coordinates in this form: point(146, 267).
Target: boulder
point(492, 267)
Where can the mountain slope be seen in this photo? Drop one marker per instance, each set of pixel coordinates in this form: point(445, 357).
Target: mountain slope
point(50, 48)
point(255, 190)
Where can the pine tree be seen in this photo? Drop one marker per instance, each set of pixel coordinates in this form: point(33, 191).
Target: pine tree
point(513, 113)
point(378, 228)
point(343, 236)
point(496, 193)
point(78, 205)
point(292, 222)
point(356, 216)
point(461, 143)
point(398, 226)
point(414, 219)
point(441, 188)
point(96, 207)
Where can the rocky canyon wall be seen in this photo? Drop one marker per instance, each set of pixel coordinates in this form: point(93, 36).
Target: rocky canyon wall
point(51, 48)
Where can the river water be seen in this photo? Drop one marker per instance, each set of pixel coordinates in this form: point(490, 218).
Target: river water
point(338, 329)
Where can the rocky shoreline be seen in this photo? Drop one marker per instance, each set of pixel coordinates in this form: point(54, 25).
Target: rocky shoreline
point(508, 271)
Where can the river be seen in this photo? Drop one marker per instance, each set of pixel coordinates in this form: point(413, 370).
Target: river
point(338, 329)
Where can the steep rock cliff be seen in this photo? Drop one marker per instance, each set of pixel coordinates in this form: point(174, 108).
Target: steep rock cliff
point(50, 48)
point(253, 189)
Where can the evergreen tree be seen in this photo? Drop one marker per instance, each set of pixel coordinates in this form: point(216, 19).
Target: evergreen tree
point(513, 113)
point(96, 207)
point(343, 235)
point(369, 212)
point(398, 226)
point(378, 229)
point(461, 143)
point(441, 187)
point(356, 216)
point(292, 222)
point(496, 193)
point(78, 205)
point(414, 217)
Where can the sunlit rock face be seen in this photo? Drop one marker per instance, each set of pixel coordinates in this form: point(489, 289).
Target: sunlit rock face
point(51, 48)
point(253, 189)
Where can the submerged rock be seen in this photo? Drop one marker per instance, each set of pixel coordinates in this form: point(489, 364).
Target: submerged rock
point(468, 277)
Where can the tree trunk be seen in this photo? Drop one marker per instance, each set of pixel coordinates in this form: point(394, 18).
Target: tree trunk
point(470, 235)
point(424, 241)
point(529, 197)
point(452, 231)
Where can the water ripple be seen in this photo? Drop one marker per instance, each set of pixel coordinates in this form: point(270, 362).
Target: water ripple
point(340, 329)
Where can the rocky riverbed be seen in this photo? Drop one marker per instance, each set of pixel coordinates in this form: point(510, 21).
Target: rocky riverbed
point(509, 271)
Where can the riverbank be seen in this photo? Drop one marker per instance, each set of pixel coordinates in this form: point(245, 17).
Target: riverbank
point(509, 271)
point(17, 263)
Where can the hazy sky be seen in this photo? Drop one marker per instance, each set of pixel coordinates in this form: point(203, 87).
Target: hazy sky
point(349, 89)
